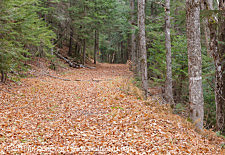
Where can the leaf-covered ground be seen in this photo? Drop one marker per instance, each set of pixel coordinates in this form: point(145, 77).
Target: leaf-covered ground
point(97, 112)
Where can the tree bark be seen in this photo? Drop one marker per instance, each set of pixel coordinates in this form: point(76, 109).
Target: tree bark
point(133, 44)
point(142, 46)
point(220, 71)
point(169, 84)
point(217, 35)
point(194, 62)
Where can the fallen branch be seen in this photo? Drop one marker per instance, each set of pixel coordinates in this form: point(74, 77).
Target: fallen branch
point(71, 64)
point(55, 77)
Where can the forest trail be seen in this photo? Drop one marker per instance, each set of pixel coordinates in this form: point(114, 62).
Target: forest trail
point(97, 112)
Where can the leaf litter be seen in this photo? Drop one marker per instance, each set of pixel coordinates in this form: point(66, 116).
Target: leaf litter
point(101, 116)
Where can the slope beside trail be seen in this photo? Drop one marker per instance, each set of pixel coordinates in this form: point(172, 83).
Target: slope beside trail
point(91, 111)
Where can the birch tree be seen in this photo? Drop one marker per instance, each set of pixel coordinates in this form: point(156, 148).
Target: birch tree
point(194, 62)
point(142, 45)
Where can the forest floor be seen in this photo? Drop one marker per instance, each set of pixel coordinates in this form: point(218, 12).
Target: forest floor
point(93, 111)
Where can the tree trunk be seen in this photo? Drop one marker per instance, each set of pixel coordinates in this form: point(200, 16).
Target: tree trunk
point(169, 84)
point(142, 46)
point(152, 8)
point(84, 40)
point(4, 76)
point(71, 43)
point(96, 48)
point(133, 44)
point(207, 4)
point(138, 55)
point(194, 62)
point(220, 71)
point(122, 51)
point(84, 51)
point(128, 50)
point(217, 35)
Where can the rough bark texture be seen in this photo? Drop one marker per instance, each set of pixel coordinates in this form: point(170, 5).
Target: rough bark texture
point(217, 35)
point(142, 45)
point(168, 85)
point(220, 71)
point(195, 62)
point(133, 44)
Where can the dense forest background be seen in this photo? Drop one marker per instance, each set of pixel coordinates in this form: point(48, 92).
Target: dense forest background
point(102, 30)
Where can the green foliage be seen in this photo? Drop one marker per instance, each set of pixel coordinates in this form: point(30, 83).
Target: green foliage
point(179, 108)
point(219, 134)
point(23, 33)
point(137, 81)
point(208, 70)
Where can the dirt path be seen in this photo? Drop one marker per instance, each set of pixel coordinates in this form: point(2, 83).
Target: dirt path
point(96, 112)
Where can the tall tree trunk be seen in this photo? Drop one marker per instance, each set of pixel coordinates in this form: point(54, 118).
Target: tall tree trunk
point(84, 51)
point(84, 40)
point(152, 8)
point(122, 51)
point(133, 44)
point(217, 35)
point(194, 62)
point(71, 42)
point(142, 46)
point(220, 97)
point(169, 84)
point(96, 47)
point(138, 55)
point(128, 50)
point(204, 5)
